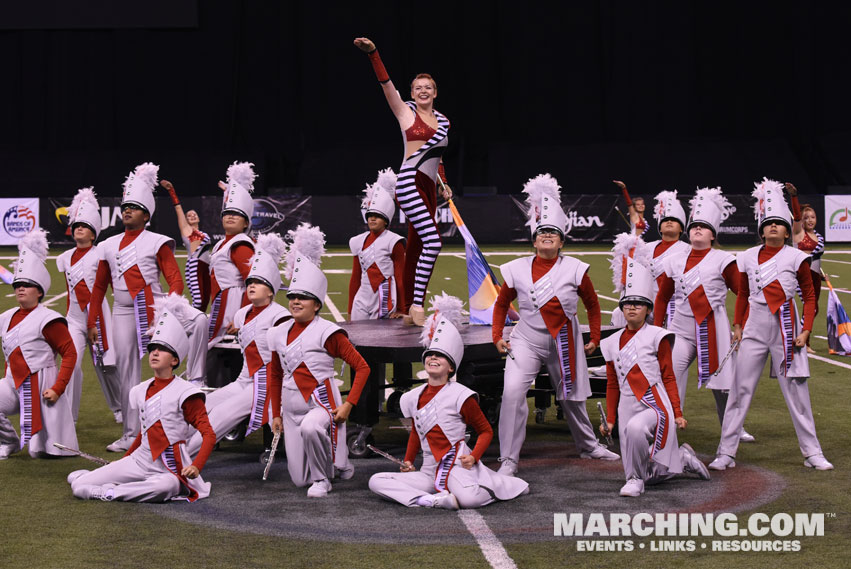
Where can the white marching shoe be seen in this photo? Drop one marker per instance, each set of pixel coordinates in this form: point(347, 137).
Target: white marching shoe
point(600, 453)
point(722, 462)
point(819, 462)
point(508, 466)
point(444, 500)
point(119, 418)
point(8, 449)
point(692, 463)
point(121, 445)
point(76, 474)
point(633, 488)
point(319, 489)
point(746, 437)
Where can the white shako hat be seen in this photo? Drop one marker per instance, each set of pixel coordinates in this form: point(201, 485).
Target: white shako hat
point(544, 202)
point(171, 314)
point(84, 209)
point(638, 286)
point(667, 207)
point(301, 267)
point(240, 185)
point(709, 207)
point(32, 253)
point(440, 332)
point(268, 252)
point(139, 187)
point(378, 197)
point(770, 204)
point(627, 246)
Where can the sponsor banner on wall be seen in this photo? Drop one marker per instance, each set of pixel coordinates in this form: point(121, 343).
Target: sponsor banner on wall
point(272, 214)
point(19, 216)
point(590, 219)
point(837, 218)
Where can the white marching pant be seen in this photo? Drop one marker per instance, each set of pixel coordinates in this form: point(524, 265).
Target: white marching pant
point(407, 487)
point(520, 373)
point(127, 361)
point(753, 352)
point(196, 358)
point(109, 382)
point(57, 422)
point(130, 481)
point(683, 355)
point(307, 438)
point(636, 438)
point(227, 407)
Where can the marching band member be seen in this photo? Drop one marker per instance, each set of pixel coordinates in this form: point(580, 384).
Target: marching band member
point(698, 281)
point(635, 206)
point(807, 239)
point(671, 221)
point(305, 400)
point(426, 137)
point(247, 397)
point(198, 245)
point(230, 259)
point(157, 467)
point(638, 360)
point(548, 287)
point(767, 324)
point(626, 246)
point(132, 262)
point(451, 476)
point(376, 289)
point(32, 336)
point(80, 266)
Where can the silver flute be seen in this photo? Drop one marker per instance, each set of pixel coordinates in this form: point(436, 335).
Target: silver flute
point(605, 422)
point(87, 456)
point(732, 349)
point(386, 455)
point(275, 440)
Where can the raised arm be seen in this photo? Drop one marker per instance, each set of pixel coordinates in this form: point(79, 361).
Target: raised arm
point(633, 215)
point(797, 224)
point(185, 228)
point(400, 110)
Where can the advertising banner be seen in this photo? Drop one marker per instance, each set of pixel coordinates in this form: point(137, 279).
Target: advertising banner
point(837, 218)
point(19, 216)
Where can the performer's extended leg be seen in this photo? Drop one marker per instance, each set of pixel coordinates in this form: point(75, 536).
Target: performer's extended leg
point(9, 405)
point(465, 486)
point(418, 200)
point(520, 372)
point(127, 361)
point(749, 364)
point(402, 487)
point(796, 392)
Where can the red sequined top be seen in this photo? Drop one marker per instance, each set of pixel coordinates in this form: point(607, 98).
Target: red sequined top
point(420, 130)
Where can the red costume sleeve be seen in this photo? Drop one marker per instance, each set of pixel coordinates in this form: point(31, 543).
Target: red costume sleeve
point(626, 196)
point(275, 380)
point(137, 442)
point(613, 393)
point(338, 346)
point(666, 366)
point(204, 283)
point(103, 278)
point(168, 265)
point(398, 258)
point(592, 307)
point(663, 297)
point(241, 256)
point(378, 66)
point(808, 295)
point(731, 277)
point(354, 283)
point(742, 300)
point(413, 446)
point(57, 336)
point(472, 415)
point(796, 208)
point(441, 171)
point(195, 413)
point(500, 311)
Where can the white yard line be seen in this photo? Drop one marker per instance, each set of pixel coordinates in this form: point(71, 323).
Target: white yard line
point(55, 298)
point(604, 297)
point(491, 547)
point(836, 261)
point(337, 271)
point(829, 361)
point(338, 316)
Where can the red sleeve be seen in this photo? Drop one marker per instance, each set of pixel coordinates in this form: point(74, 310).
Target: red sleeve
point(378, 66)
point(338, 346)
point(103, 278)
point(592, 307)
point(500, 311)
point(666, 366)
point(731, 277)
point(663, 297)
point(441, 171)
point(742, 300)
point(626, 196)
point(398, 258)
point(354, 283)
point(204, 283)
point(808, 295)
point(275, 381)
point(57, 336)
point(472, 415)
point(137, 442)
point(796, 208)
point(168, 265)
point(413, 446)
point(613, 393)
point(195, 413)
point(241, 255)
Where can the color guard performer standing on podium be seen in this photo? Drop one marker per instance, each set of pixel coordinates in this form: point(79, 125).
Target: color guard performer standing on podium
point(80, 266)
point(132, 263)
point(426, 137)
point(807, 239)
point(452, 476)
point(157, 468)
point(230, 260)
point(32, 335)
point(637, 224)
point(548, 287)
point(305, 399)
point(642, 392)
point(247, 397)
point(376, 289)
point(698, 281)
point(767, 324)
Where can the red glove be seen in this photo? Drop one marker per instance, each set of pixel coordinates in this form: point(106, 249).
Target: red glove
point(170, 188)
point(378, 66)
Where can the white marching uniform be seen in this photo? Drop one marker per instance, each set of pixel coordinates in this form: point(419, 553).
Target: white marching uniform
point(231, 286)
point(314, 443)
point(373, 302)
point(247, 396)
point(532, 346)
point(23, 394)
point(657, 267)
point(196, 360)
point(83, 272)
point(766, 334)
point(692, 342)
point(130, 314)
point(473, 488)
point(648, 434)
point(141, 477)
